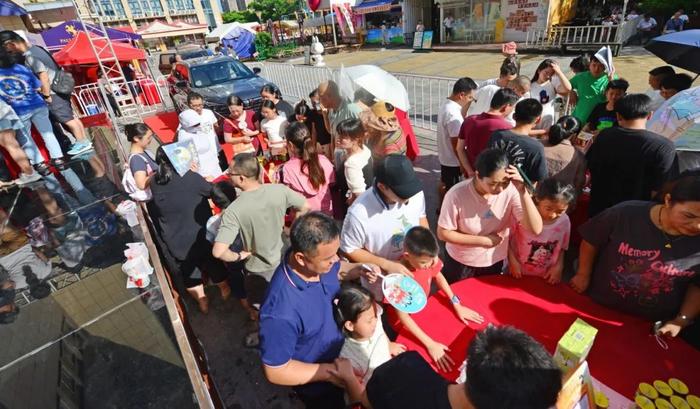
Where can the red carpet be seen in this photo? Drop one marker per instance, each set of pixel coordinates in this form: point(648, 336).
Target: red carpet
point(163, 125)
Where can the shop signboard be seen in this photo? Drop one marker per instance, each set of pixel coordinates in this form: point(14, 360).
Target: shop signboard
point(418, 40)
point(423, 40)
point(427, 40)
point(522, 16)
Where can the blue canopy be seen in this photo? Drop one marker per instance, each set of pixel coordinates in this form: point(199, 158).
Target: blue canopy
point(8, 8)
point(62, 34)
point(242, 41)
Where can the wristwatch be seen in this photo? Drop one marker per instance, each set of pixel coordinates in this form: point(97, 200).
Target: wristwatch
point(455, 300)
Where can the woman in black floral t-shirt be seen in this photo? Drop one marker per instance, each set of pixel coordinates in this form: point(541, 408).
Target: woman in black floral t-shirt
point(643, 258)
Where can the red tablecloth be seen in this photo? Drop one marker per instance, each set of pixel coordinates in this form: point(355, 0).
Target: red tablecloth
point(624, 352)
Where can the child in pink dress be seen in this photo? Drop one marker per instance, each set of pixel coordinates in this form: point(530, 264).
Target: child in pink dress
point(542, 255)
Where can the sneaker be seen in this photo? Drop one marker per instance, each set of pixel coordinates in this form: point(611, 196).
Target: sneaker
point(25, 179)
point(80, 147)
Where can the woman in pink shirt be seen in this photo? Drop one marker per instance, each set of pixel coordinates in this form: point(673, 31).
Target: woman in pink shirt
point(477, 213)
point(308, 172)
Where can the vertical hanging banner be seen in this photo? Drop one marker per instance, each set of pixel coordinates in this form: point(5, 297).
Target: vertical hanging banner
point(341, 20)
point(347, 14)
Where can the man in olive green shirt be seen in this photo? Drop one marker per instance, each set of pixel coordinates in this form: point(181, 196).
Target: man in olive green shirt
point(258, 216)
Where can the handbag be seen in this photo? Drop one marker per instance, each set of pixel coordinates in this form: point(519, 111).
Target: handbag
point(129, 183)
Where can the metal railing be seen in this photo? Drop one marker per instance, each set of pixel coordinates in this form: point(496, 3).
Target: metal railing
point(557, 37)
point(88, 100)
point(425, 93)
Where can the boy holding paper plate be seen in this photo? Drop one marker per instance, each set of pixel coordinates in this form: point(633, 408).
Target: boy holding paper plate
point(420, 257)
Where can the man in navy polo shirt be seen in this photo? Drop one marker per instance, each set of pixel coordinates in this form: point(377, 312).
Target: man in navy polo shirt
point(299, 338)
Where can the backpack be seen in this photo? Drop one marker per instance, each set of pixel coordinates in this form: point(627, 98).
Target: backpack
point(129, 183)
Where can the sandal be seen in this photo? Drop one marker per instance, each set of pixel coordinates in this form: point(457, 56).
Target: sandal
point(4, 184)
point(43, 169)
point(59, 163)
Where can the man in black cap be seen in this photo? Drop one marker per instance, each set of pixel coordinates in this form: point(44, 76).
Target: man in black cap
point(377, 221)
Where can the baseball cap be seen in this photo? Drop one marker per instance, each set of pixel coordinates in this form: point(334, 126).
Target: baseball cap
point(396, 172)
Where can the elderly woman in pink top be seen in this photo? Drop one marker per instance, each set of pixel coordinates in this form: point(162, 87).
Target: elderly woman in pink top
point(308, 172)
point(477, 213)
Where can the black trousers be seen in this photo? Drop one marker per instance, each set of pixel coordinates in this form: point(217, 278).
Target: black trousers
point(455, 271)
point(331, 398)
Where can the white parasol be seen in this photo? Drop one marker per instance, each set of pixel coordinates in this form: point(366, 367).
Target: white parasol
point(376, 81)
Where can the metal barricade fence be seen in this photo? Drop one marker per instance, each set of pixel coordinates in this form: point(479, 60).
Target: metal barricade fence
point(88, 100)
point(425, 93)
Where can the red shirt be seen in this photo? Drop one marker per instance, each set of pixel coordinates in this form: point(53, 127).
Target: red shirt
point(424, 277)
point(476, 131)
point(231, 126)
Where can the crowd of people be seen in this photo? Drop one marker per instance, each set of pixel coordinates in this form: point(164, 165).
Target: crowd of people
point(31, 97)
point(349, 203)
point(320, 199)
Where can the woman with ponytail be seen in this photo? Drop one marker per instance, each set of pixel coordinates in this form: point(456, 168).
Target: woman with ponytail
point(564, 161)
point(308, 171)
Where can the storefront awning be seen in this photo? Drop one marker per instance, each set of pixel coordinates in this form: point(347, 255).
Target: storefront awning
point(372, 6)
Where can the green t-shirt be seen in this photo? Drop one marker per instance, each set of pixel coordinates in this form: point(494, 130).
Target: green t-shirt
point(590, 91)
point(258, 216)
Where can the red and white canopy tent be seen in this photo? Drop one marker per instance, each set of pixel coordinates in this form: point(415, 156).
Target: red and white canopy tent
point(79, 52)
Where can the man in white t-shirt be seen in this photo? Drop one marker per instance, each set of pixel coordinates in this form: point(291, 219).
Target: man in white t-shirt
point(378, 220)
point(450, 118)
point(487, 89)
point(646, 28)
point(448, 22)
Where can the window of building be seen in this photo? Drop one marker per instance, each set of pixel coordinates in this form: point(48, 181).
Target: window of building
point(135, 6)
point(110, 8)
point(156, 6)
point(473, 20)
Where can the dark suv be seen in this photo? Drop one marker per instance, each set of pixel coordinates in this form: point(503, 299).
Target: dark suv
point(215, 78)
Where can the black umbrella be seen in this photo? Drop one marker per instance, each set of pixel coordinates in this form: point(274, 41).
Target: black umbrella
point(681, 49)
